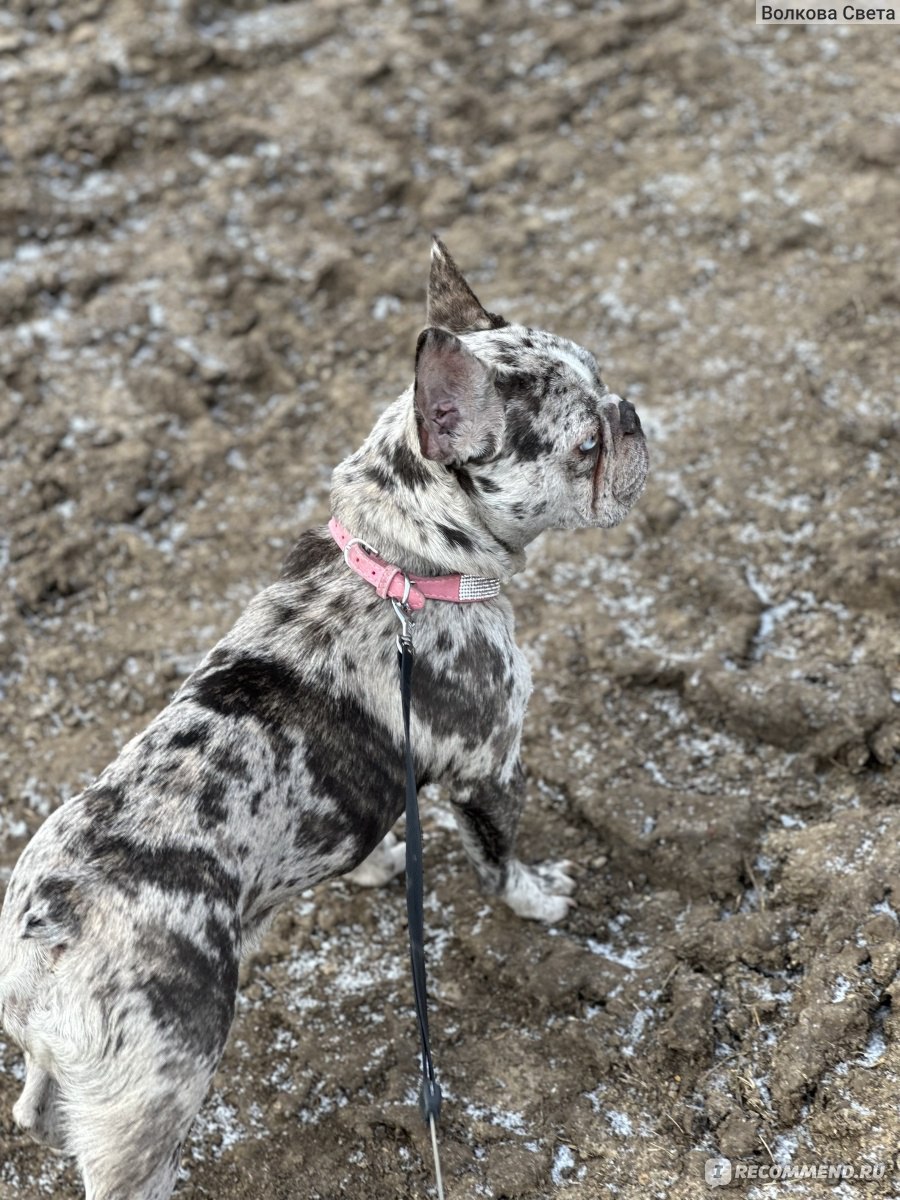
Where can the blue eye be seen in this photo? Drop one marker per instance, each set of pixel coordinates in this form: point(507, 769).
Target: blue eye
point(588, 445)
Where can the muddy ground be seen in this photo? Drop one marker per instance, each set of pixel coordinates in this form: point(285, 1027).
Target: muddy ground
point(213, 247)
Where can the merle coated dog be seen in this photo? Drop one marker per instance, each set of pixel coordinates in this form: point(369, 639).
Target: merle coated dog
point(279, 762)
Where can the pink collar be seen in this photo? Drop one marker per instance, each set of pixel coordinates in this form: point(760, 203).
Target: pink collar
point(391, 582)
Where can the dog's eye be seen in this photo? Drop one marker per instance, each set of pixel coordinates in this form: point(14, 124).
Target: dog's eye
point(588, 445)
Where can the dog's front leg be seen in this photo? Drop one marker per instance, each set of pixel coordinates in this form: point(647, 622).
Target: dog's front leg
point(487, 813)
point(385, 862)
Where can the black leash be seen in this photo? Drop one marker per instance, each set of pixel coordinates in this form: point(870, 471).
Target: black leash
point(430, 1093)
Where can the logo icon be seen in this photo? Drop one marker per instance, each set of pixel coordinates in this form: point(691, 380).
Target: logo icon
point(717, 1171)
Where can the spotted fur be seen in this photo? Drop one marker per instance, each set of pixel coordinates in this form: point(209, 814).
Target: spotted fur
point(277, 765)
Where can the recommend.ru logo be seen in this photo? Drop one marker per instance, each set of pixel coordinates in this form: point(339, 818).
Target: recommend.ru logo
point(717, 1171)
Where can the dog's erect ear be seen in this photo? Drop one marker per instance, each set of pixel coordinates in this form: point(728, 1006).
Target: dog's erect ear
point(459, 413)
point(452, 305)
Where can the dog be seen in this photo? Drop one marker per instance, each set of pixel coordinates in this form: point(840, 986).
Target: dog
point(279, 762)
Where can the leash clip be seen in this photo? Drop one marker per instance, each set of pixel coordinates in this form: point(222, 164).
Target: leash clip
point(404, 615)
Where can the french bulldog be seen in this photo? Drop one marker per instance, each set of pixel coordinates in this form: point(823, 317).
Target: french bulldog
point(279, 762)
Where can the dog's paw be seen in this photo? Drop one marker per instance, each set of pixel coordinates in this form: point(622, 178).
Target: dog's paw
point(556, 877)
point(542, 892)
point(386, 861)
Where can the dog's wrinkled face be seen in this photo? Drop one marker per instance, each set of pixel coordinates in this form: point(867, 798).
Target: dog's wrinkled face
point(523, 416)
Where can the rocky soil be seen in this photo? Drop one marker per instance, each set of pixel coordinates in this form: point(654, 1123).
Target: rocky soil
point(213, 248)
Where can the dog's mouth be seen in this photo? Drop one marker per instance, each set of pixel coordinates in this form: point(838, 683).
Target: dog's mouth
point(597, 480)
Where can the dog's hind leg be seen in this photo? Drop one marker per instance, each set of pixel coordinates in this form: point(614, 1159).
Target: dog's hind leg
point(37, 1110)
point(149, 1041)
point(128, 1143)
point(133, 1178)
point(28, 1106)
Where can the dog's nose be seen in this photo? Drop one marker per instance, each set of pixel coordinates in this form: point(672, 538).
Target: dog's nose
point(628, 418)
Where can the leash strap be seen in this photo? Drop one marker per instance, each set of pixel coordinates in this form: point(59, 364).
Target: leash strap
point(430, 1093)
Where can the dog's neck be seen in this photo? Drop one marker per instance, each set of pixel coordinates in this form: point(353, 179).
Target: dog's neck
point(413, 512)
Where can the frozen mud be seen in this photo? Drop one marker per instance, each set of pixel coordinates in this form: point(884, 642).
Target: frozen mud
point(213, 246)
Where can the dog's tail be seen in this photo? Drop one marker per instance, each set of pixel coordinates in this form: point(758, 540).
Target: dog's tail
point(37, 926)
point(52, 914)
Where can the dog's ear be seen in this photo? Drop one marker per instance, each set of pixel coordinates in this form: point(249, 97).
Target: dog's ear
point(459, 413)
point(452, 305)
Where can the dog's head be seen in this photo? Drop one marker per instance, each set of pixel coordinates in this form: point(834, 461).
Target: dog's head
point(522, 416)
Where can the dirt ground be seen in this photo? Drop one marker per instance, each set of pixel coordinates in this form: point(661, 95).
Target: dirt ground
point(213, 250)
